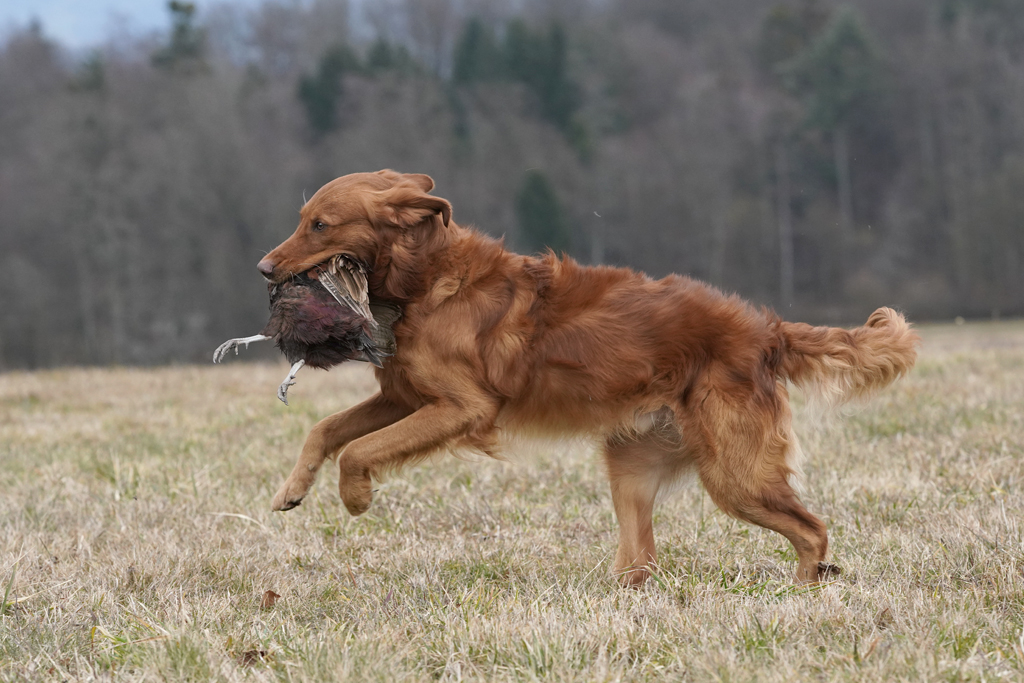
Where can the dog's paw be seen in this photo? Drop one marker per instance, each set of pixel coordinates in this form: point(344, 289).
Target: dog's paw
point(828, 572)
point(284, 505)
point(356, 492)
point(289, 496)
point(632, 577)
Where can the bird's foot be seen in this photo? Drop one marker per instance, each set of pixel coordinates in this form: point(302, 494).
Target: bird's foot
point(282, 391)
point(233, 344)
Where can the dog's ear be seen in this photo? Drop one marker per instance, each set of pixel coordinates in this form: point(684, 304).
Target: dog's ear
point(421, 180)
point(407, 205)
point(425, 182)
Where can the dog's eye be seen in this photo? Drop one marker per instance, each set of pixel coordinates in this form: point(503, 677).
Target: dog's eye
point(318, 226)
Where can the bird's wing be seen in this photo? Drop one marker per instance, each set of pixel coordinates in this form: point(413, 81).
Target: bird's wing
point(386, 316)
point(345, 279)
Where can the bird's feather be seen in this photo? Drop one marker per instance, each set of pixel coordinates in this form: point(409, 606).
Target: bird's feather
point(345, 279)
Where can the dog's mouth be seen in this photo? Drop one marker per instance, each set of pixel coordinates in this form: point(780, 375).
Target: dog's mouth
point(342, 259)
point(332, 265)
point(345, 279)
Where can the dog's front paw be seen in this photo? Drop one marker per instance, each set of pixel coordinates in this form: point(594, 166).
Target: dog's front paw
point(290, 495)
point(356, 489)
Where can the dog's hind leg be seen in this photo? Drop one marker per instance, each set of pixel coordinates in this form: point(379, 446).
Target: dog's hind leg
point(328, 437)
point(742, 453)
point(638, 466)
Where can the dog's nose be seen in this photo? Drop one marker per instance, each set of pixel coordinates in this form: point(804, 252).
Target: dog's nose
point(266, 266)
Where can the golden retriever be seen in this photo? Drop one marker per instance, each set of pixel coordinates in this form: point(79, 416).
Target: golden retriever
point(669, 375)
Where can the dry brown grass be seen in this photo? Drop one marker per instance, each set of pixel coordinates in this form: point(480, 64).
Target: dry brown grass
point(136, 542)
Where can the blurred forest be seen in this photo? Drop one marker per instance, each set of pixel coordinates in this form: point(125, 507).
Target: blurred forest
point(819, 157)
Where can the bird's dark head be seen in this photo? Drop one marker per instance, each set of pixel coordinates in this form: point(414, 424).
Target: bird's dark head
point(363, 215)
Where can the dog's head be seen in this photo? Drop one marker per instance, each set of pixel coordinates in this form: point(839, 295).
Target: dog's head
point(381, 219)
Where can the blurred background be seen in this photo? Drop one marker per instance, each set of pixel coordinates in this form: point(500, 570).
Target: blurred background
point(819, 157)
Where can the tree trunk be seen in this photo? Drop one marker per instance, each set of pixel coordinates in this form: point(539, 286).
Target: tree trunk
point(719, 241)
point(597, 242)
point(1012, 289)
point(785, 213)
point(86, 305)
point(842, 154)
point(841, 141)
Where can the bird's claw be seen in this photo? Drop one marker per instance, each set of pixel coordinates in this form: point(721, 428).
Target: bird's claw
point(232, 344)
point(282, 391)
point(223, 349)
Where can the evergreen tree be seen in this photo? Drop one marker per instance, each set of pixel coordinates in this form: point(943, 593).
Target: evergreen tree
point(787, 31)
point(521, 51)
point(537, 59)
point(541, 220)
point(838, 72)
point(91, 76)
point(540, 61)
point(187, 46)
point(320, 92)
point(559, 96)
point(383, 56)
point(1001, 21)
point(837, 77)
point(476, 57)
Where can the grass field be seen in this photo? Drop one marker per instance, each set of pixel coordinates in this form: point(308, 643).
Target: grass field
point(136, 543)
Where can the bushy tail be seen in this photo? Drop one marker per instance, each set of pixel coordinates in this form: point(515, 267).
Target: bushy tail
point(837, 365)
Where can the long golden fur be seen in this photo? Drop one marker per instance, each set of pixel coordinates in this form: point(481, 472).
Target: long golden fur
point(670, 375)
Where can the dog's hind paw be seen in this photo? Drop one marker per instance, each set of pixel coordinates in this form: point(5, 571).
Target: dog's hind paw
point(828, 572)
point(632, 577)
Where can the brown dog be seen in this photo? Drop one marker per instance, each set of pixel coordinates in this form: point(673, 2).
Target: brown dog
point(671, 375)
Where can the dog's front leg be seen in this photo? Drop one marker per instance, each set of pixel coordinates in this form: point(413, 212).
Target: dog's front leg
point(328, 437)
point(429, 428)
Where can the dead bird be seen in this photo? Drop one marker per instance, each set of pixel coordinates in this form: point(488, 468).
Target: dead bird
point(322, 318)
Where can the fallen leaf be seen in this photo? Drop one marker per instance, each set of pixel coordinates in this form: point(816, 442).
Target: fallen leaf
point(871, 649)
point(250, 657)
point(269, 598)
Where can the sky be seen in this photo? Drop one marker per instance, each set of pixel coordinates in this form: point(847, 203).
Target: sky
point(83, 23)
